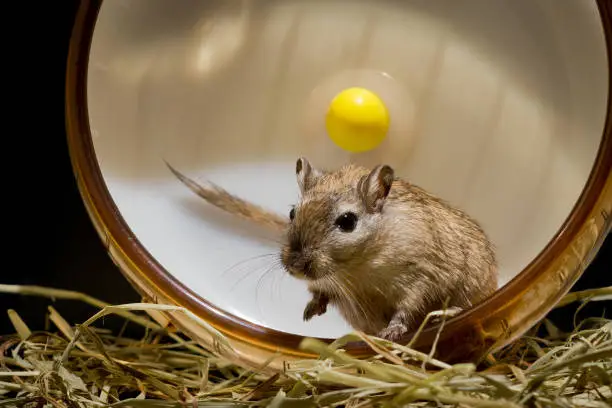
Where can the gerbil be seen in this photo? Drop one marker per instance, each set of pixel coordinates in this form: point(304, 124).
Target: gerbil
point(382, 250)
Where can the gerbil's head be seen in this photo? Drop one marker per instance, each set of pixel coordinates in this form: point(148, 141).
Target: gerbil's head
point(335, 223)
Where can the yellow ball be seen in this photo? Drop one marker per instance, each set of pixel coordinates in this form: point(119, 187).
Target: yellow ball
point(357, 120)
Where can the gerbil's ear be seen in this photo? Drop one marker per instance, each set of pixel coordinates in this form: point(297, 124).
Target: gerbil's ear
point(306, 175)
point(374, 188)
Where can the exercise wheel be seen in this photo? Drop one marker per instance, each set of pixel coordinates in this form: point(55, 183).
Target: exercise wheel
point(501, 107)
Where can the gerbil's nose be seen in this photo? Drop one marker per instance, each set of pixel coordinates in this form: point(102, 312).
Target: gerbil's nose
point(298, 261)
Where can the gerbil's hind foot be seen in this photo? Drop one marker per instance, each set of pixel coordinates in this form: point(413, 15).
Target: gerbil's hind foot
point(437, 316)
point(316, 307)
point(394, 332)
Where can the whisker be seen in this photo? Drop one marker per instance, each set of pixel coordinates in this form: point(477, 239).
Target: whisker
point(258, 287)
point(282, 278)
point(276, 281)
point(270, 270)
point(256, 257)
point(250, 271)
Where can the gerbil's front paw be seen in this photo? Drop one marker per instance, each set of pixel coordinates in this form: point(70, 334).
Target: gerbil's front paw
point(393, 332)
point(314, 308)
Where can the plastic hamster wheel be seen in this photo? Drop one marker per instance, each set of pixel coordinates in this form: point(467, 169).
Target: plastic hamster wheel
point(500, 107)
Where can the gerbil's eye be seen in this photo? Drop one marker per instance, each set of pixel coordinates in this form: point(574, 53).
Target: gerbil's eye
point(292, 214)
point(347, 221)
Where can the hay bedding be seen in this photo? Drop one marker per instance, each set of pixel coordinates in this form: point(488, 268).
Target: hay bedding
point(89, 366)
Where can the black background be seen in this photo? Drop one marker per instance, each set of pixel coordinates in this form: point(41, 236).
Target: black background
point(51, 241)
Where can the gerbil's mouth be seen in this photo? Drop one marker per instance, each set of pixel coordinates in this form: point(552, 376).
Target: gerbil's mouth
point(298, 264)
point(303, 272)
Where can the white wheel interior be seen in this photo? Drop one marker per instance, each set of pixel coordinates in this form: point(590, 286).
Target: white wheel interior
point(497, 106)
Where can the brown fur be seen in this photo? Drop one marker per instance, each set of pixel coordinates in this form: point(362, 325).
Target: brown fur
point(410, 253)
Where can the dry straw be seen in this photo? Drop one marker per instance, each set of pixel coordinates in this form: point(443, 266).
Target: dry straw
point(89, 366)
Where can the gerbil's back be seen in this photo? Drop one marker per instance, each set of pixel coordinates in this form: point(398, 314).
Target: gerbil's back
point(454, 247)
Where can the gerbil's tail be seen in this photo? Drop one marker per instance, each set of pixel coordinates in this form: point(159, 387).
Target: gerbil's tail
point(220, 198)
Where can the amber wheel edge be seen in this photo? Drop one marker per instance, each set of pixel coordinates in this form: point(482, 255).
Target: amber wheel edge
point(485, 326)
point(253, 343)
